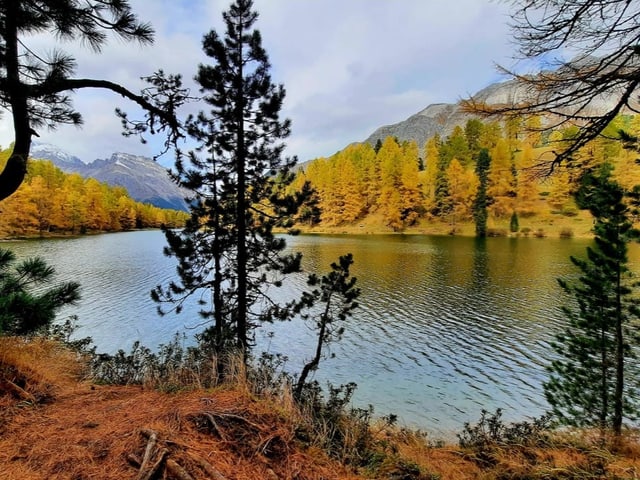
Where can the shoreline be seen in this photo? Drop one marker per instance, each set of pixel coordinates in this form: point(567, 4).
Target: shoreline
point(565, 228)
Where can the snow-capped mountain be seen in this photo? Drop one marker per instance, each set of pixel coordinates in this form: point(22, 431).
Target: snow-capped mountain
point(63, 160)
point(145, 180)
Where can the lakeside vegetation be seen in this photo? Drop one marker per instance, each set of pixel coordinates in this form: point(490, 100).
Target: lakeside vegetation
point(398, 187)
point(250, 427)
point(218, 409)
point(50, 202)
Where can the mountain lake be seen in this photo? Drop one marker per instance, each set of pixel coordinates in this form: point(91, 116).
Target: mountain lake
point(447, 326)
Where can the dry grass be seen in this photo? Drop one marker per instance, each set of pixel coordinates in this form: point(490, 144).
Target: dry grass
point(55, 426)
point(84, 431)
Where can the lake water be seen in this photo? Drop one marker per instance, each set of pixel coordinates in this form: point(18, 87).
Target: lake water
point(447, 325)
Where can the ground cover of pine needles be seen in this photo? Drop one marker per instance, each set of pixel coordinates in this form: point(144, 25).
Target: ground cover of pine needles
point(55, 423)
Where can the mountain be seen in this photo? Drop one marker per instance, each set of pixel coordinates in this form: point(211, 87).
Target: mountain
point(64, 161)
point(145, 180)
point(442, 118)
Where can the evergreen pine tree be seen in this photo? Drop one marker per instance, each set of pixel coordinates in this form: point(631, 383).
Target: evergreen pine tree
point(514, 225)
point(483, 164)
point(26, 305)
point(587, 385)
point(228, 244)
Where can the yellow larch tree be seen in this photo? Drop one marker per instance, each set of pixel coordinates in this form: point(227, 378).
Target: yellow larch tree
point(527, 192)
point(390, 201)
point(74, 203)
point(97, 215)
point(41, 196)
point(431, 156)
point(348, 189)
point(463, 184)
point(410, 188)
point(502, 186)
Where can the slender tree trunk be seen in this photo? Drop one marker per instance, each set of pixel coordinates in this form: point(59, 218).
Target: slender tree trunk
point(241, 223)
point(604, 375)
point(218, 305)
point(619, 388)
point(313, 364)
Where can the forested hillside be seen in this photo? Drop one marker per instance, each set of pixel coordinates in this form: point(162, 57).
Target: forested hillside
point(395, 185)
point(50, 201)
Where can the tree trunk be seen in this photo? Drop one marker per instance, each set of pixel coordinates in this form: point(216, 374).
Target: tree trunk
point(619, 388)
point(313, 364)
point(16, 168)
point(241, 222)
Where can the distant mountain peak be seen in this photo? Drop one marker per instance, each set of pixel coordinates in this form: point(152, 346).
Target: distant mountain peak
point(48, 151)
point(442, 118)
point(144, 179)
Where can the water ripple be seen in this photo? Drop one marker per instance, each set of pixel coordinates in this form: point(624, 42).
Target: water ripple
point(447, 326)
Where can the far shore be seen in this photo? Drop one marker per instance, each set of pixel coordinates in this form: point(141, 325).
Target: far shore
point(556, 226)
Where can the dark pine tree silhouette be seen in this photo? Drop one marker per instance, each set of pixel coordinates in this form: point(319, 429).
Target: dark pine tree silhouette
point(237, 177)
point(26, 304)
point(587, 386)
point(337, 294)
point(481, 201)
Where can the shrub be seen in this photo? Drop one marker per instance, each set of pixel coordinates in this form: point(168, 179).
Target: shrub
point(566, 233)
point(490, 434)
point(496, 232)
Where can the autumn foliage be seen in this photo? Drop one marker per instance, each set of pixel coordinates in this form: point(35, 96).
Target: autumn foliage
point(402, 185)
point(52, 202)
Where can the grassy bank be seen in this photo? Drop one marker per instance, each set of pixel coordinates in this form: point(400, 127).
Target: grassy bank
point(540, 226)
point(56, 423)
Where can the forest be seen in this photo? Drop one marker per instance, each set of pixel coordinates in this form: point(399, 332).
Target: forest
point(395, 185)
point(52, 202)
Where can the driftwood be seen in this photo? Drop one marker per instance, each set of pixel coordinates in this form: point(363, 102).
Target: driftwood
point(156, 461)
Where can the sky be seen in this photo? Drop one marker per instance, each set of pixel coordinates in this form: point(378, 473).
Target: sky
point(348, 66)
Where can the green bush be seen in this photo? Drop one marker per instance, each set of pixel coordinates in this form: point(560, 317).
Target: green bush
point(491, 433)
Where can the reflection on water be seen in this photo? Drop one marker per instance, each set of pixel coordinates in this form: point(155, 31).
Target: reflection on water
point(447, 325)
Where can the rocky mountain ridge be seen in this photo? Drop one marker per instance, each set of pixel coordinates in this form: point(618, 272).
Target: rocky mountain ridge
point(442, 118)
point(145, 180)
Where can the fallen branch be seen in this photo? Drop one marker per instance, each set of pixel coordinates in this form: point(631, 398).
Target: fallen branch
point(148, 453)
point(207, 467)
point(150, 469)
point(155, 468)
point(177, 471)
point(214, 425)
point(16, 390)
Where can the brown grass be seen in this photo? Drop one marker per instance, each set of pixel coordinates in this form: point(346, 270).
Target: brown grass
point(56, 426)
point(82, 431)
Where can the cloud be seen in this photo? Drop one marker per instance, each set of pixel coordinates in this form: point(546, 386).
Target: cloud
point(348, 66)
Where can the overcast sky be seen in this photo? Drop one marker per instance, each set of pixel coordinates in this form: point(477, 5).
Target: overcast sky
point(349, 66)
